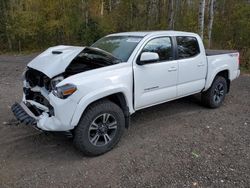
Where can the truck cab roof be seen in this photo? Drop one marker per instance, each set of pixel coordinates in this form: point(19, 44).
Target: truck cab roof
point(153, 33)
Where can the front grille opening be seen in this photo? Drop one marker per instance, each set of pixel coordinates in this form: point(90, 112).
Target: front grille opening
point(34, 110)
point(39, 98)
point(37, 78)
point(35, 96)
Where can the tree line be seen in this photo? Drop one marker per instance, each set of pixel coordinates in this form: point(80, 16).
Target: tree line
point(37, 24)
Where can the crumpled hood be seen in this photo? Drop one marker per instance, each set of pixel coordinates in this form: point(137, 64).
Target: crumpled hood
point(55, 60)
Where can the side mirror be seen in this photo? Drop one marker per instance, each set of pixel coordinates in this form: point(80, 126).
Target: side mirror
point(148, 57)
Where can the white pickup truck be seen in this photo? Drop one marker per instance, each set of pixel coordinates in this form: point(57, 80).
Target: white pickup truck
point(92, 91)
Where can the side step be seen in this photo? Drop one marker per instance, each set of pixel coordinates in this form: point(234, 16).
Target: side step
point(23, 114)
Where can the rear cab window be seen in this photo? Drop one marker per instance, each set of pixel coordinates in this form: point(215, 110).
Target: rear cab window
point(187, 47)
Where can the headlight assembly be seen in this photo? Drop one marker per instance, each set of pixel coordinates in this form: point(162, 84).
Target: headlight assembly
point(55, 81)
point(64, 91)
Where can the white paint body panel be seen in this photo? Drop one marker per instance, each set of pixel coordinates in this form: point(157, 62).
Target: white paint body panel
point(155, 83)
point(54, 64)
point(142, 86)
point(219, 63)
point(192, 73)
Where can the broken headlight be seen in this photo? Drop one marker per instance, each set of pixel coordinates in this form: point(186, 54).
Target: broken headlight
point(55, 81)
point(64, 91)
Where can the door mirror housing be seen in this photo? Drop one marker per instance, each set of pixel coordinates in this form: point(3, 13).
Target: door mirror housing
point(148, 57)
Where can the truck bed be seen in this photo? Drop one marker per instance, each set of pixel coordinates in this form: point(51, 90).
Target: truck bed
point(219, 52)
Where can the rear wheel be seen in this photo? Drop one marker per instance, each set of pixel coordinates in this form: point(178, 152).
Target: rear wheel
point(216, 94)
point(100, 128)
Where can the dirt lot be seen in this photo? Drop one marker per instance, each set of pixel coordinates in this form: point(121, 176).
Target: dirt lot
point(177, 144)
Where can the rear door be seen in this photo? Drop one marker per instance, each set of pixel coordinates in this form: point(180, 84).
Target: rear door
point(156, 82)
point(192, 66)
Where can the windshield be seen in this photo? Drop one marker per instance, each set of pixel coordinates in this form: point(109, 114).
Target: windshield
point(120, 47)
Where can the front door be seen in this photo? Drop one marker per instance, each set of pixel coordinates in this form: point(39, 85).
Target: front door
point(156, 82)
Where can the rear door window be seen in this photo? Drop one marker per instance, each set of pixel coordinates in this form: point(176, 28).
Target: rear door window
point(187, 47)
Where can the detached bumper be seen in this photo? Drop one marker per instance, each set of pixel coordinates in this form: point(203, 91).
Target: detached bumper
point(23, 114)
point(59, 120)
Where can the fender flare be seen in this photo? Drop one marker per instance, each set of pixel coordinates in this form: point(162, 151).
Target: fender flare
point(211, 77)
point(97, 95)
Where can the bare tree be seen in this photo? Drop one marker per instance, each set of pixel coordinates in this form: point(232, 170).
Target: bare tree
point(171, 14)
point(110, 5)
point(211, 20)
point(85, 11)
point(152, 12)
point(102, 8)
point(207, 7)
point(5, 23)
point(201, 17)
point(190, 3)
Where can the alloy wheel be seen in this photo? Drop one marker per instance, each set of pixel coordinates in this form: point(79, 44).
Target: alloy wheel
point(102, 130)
point(219, 92)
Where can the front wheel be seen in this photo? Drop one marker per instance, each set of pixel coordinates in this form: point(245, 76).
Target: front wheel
point(216, 94)
point(100, 128)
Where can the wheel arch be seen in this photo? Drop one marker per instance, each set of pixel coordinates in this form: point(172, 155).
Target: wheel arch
point(118, 98)
point(224, 73)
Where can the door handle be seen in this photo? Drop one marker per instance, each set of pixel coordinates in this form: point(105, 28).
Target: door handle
point(172, 69)
point(200, 64)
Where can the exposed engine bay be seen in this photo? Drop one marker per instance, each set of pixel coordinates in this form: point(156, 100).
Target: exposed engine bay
point(38, 85)
point(88, 59)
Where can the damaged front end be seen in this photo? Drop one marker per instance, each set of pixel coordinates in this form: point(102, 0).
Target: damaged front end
point(46, 105)
point(24, 114)
point(40, 99)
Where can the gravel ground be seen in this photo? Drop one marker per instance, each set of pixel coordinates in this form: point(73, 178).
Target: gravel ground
point(177, 144)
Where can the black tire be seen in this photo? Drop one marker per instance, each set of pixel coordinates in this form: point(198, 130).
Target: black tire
point(94, 117)
point(215, 95)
